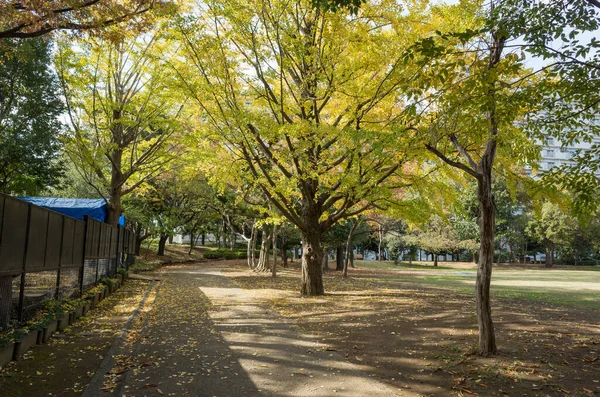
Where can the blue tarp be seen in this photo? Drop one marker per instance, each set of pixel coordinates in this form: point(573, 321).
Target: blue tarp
point(73, 207)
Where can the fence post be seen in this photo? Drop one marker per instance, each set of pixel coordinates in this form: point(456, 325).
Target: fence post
point(5, 282)
point(85, 230)
point(98, 254)
point(117, 252)
point(22, 287)
point(62, 236)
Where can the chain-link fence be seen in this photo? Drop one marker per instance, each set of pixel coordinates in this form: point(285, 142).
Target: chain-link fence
point(47, 255)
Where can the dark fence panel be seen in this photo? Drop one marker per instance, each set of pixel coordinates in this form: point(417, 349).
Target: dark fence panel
point(54, 240)
point(45, 255)
point(38, 233)
point(13, 236)
point(67, 253)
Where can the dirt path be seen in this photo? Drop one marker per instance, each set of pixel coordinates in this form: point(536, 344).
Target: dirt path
point(207, 337)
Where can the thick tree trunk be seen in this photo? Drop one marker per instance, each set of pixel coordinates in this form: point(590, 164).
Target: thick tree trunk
point(325, 260)
point(312, 257)
point(435, 259)
point(549, 261)
point(263, 259)
point(138, 245)
point(162, 242)
point(487, 339)
point(339, 258)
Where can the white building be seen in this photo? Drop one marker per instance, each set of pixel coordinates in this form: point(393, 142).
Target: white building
point(554, 153)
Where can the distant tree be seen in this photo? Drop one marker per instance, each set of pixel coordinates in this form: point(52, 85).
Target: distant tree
point(553, 228)
point(30, 107)
point(437, 236)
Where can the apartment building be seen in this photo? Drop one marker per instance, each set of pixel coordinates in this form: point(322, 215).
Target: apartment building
point(554, 153)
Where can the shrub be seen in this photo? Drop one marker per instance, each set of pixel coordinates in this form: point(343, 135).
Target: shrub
point(225, 254)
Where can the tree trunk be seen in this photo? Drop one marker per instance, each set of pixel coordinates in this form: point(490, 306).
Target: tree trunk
point(284, 256)
point(263, 259)
point(487, 338)
point(312, 259)
point(339, 258)
point(138, 245)
point(349, 248)
point(203, 238)
point(253, 244)
point(191, 243)
point(380, 235)
point(435, 259)
point(325, 260)
point(162, 242)
point(549, 258)
point(249, 248)
point(274, 268)
point(224, 235)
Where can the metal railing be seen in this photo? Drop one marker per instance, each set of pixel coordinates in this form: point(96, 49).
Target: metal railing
point(47, 255)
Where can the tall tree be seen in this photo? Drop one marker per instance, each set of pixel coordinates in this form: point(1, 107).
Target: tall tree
point(302, 101)
point(30, 107)
point(123, 114)
point(474, 91)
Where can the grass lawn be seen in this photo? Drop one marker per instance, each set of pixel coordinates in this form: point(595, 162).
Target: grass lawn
point(579, 286)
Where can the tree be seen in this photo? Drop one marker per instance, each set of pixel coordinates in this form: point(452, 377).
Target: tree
point(473, 91)
point(301, 100)
point(27, 19)
point(30, 107)
point(123, 113)
point(562, 35)
point(553, 228)
point(436, 236)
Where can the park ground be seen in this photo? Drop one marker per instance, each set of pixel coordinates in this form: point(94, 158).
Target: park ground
point(218, 329)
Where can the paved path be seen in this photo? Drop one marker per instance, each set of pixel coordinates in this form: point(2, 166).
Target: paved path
point(206, 337)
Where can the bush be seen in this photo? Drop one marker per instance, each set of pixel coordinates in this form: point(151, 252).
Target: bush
point(224, 254)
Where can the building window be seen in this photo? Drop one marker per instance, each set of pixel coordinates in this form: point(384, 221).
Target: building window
point(549, 140)
point(564, 150)
point(550, 164)
point(549, 153)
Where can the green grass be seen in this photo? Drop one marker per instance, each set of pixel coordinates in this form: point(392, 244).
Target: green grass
point(388, 265)
point(559, 286)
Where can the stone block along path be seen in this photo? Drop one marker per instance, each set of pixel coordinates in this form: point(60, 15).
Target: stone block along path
point(202, 335)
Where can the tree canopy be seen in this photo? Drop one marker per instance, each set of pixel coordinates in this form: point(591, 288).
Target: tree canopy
point(30, 127)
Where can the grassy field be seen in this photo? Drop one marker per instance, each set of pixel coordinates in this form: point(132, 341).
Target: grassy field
point(571, 286)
